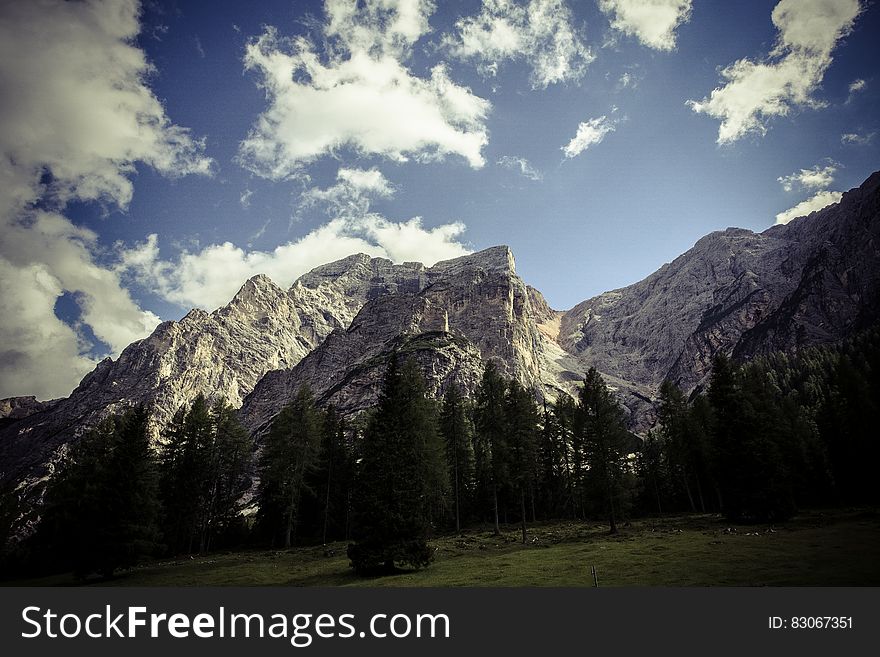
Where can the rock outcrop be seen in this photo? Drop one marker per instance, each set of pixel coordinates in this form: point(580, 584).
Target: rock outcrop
point(467, 311)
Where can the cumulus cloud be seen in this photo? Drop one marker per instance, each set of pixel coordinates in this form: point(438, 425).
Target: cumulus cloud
point(522, 165)
point(539, 32)
point(208, 278)
point(653, 22)
point(756, 91)
point(588, 134)
point(857, 86)
point(76, 116)
point(352, 194)
point(359, 95)
point(856, 138)
point(816, 202)
point(814, 178)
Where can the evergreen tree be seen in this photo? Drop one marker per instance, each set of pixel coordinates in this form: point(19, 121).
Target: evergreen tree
point(333, 477)
point(755, 445)
point(457, 431)
point(490, 448)
point(673, 419)
point(604, 438)
point(651, 469)
point(552, 463)
point(290, 455)
point(101, 509)
point(522, 420)
point(401, 469)
point(564, 413)
point(178, 485)
point(228, 476)
point(206, 463)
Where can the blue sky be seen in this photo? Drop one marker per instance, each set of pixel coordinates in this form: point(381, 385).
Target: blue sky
point(157, 155)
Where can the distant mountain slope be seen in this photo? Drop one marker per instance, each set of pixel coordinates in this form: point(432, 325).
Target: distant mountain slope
point(809, 282)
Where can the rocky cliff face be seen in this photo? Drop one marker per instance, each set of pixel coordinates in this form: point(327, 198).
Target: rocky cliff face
point(468, 310)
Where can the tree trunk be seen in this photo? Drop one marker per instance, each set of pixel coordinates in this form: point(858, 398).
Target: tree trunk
point(289, 528)
point(611, 520)
point(700, 496)
point(455, 467)
point(495, 500)
point(327, 503)
point(522, 504)
point(687, 489)
point(657, 494)
point(532, 496)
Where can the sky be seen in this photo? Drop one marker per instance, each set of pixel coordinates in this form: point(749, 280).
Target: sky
point(157, 154)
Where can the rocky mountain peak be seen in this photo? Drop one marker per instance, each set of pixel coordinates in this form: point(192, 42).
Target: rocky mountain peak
point(812, 281)
point(496, 258)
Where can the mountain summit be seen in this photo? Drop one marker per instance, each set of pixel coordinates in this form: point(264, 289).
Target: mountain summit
point(812, 281)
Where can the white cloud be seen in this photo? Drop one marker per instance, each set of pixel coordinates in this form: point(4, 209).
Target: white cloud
point(76, 116)
point(857, 86)
point(756, 91)
point(814, 178)
point(245, 198)
point(360, 96)
point(539, 32)
point(588, 134)
point(210, 277)
point(352, 194)
point(653, 22)
point(522, 165)
point(856, 138)
point(816, 202)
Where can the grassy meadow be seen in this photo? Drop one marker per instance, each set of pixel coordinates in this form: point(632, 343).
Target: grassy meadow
point(834, 548)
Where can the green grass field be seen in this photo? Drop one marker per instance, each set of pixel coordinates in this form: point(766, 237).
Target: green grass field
point(817, 549)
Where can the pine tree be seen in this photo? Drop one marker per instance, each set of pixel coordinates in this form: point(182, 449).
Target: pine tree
point(521, 417)
point(490, 449)
point(755, 443)
point(604, 439)
point(290, 455)
point(178, 485)
point(229, 473)
point(457, 431)
point(401, 469)
point(206, 460)
point(102, 508)
point(679, 441)
point(564, 412)
point(651, 469)
point(333, 477)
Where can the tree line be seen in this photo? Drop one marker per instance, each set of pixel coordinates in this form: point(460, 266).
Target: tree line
point(768, 437)
point(763, 439)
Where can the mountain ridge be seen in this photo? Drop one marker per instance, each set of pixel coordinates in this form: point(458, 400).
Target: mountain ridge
point(735, 291)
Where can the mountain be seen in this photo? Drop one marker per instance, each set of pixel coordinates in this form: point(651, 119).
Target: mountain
point(223, 353)
point(812, 281)
point(466, 311)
